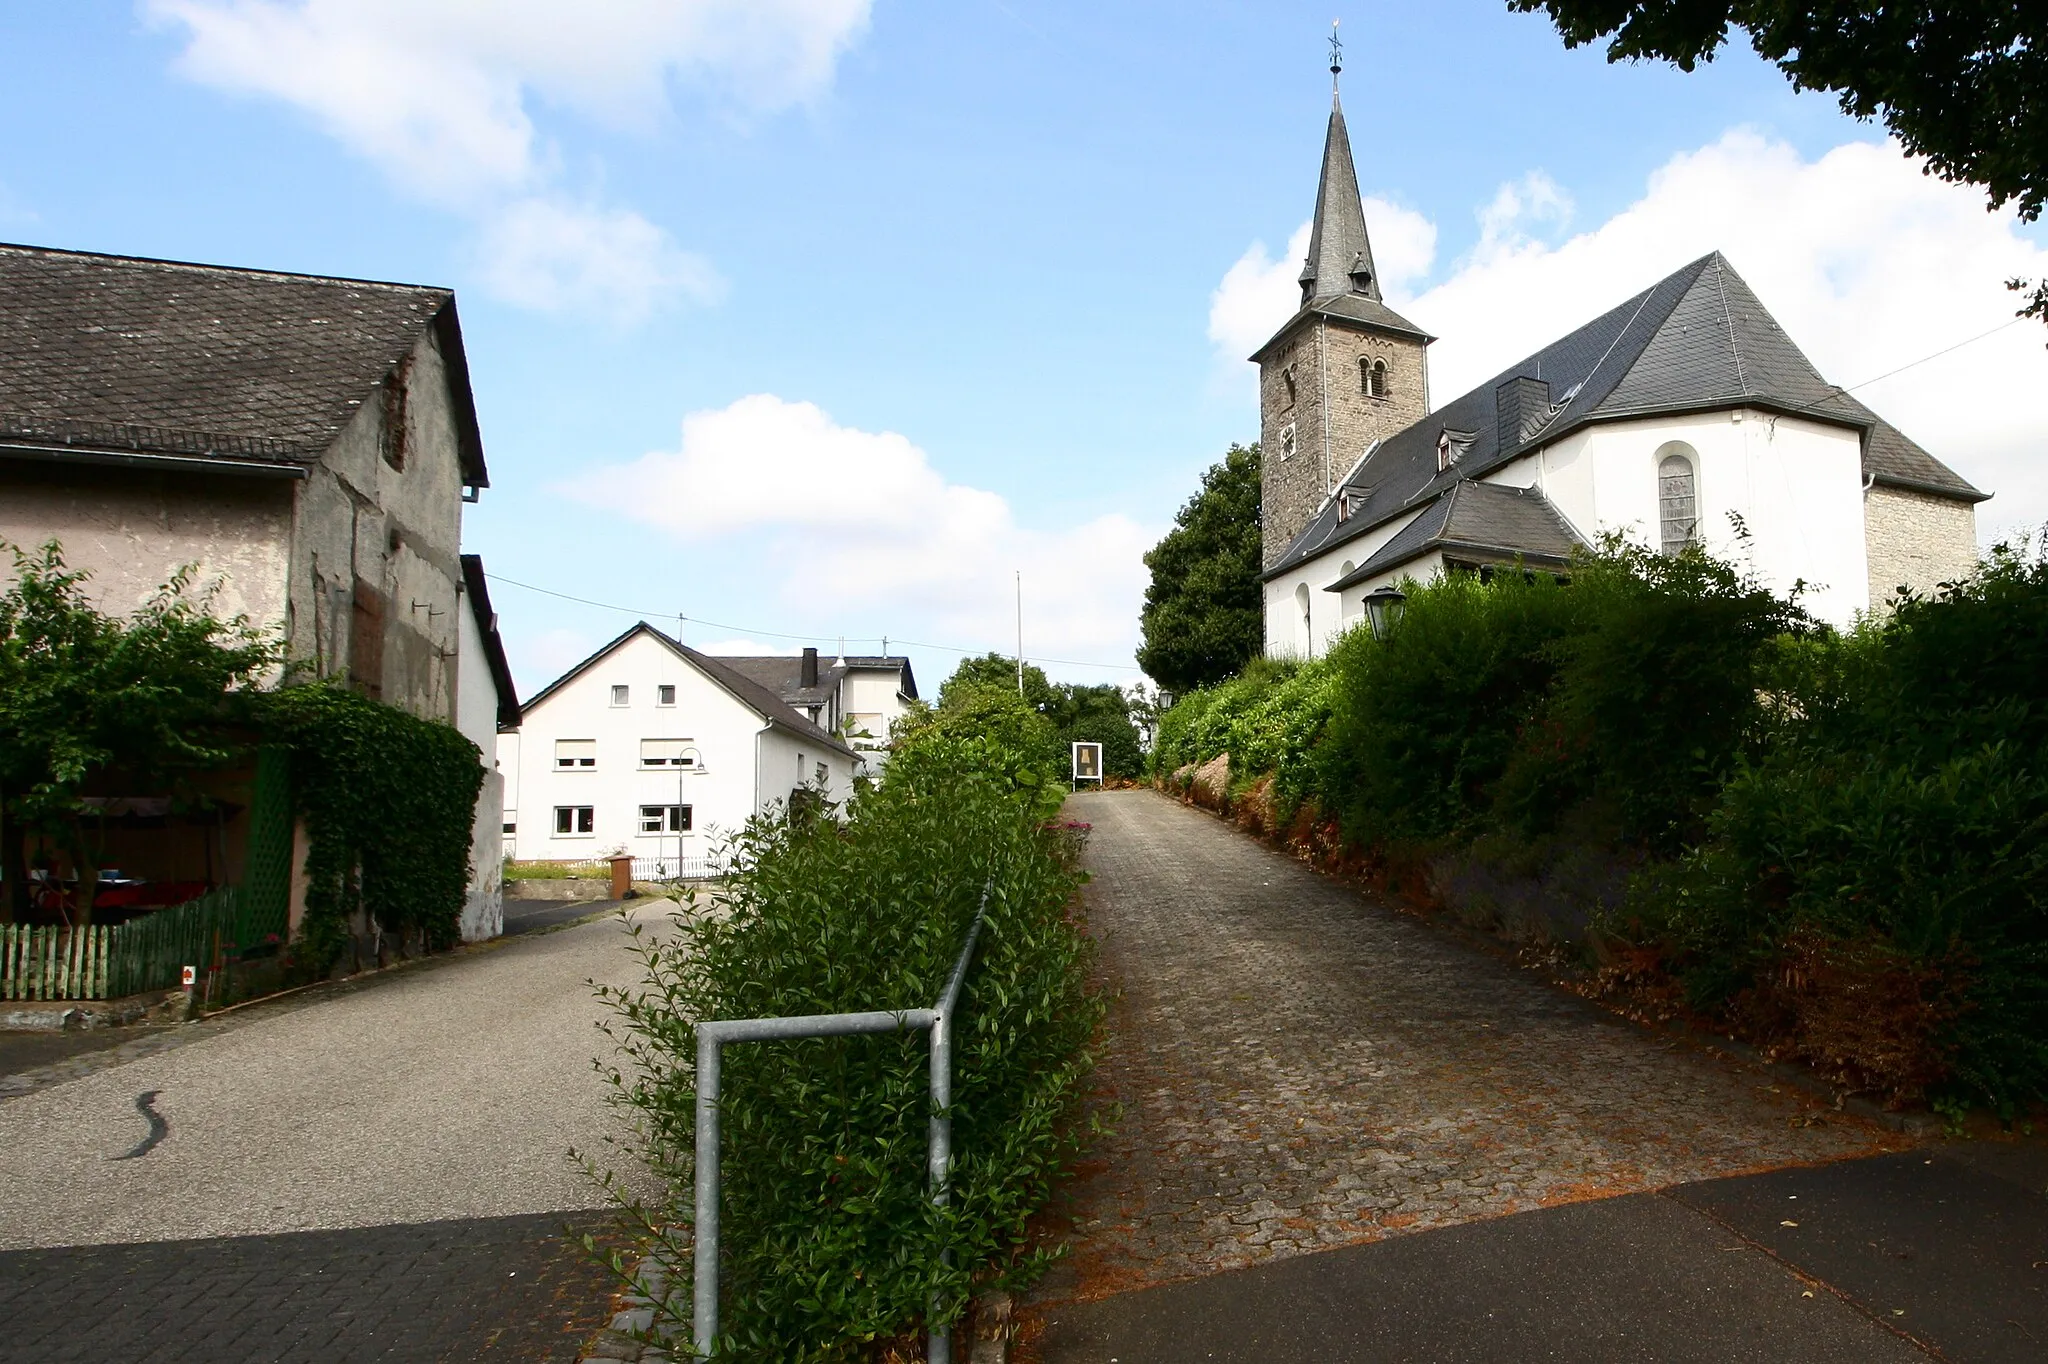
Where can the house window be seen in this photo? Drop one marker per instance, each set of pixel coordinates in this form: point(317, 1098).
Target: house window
point(1372, 377)
point(667, 753)
point(621, 695)
point(824, 775)
point(1678, 503)
point(511, 822)
point(575, 754)
point(664, 819)
point(665, 694)
point(573, 821)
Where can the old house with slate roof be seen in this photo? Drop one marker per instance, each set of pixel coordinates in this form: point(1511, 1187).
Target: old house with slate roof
point(305, 443)
point(1682, 415)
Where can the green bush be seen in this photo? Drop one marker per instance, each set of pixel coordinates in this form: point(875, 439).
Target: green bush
point(1899, 806)
point(1423, 725)
point(831, 1241)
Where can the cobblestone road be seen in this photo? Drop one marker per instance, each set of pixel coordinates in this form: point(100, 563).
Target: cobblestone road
point(1302, 1067)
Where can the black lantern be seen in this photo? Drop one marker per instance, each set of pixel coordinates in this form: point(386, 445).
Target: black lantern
point(1383, 608)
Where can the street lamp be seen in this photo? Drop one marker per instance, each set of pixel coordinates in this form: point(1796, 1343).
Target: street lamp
point(1383, 608)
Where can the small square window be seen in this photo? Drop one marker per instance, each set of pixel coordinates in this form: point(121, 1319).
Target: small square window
point(572, 820)
point(621, 695)
point(511, 827)
point(665, 694)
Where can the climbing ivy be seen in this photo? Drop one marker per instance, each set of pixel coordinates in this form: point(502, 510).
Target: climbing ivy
point(388, 800)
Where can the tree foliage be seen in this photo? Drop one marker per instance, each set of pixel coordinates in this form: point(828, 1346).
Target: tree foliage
point(1963, 83)
point(157, 696)
point(1203, 617)
point(1072, 711)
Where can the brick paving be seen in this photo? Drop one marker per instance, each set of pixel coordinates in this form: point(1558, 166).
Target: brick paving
point(500, 1290)
point(1301, 1066)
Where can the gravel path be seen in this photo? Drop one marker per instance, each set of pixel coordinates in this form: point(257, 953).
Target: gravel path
point(1302, 1067)
point(449, 1090)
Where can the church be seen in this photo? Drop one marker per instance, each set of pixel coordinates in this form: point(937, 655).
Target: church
point(1683, 415)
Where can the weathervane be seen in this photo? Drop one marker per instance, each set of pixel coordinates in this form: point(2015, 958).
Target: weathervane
point(1336, 52)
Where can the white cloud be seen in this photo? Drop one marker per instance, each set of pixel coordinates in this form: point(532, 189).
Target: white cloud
point(1868, 263)
point(1258, 293)
point(873, 538)
point(560, 257)
point(441, 94)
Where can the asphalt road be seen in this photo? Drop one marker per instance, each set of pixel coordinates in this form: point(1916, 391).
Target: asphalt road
point(412, 1128)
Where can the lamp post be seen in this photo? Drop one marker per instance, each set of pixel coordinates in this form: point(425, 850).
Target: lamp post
point(1383, 608)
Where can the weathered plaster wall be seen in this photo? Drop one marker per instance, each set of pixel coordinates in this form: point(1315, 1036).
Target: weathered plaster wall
point(132, 529)
point(476, 715)
point(375, 570)
point(1328, 616)
point(1915, 540)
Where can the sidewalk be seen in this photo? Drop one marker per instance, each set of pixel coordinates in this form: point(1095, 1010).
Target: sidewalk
point(1910, 1256)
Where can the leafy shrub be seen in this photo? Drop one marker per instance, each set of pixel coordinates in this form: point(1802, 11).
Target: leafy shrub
point(830, 1237)
point(1897, 815)
point(1423, 724)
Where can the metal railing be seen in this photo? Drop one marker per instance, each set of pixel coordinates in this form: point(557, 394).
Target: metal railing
point(712, 1037)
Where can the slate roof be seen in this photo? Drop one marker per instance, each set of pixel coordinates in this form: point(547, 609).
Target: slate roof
point(124, 354)
point(1697, 340)
point(746, 690)
point(783, 672)
point(1487, 521)
point(1338, 278)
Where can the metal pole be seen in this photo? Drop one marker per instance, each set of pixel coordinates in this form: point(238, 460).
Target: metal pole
point(705, 1232)
point(939, 1340)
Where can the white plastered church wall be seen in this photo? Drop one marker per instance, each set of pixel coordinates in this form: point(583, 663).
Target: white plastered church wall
point(1328, 616)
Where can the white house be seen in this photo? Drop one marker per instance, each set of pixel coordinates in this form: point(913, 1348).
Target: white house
point(1682, 415)
point(856, 696)
point(652, 748)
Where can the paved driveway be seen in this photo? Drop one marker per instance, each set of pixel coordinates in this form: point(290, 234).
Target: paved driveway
point(412, 1131)
point(1304, 1068)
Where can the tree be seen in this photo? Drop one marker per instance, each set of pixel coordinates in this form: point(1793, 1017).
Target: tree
point(1203, 617)
point(82, 693)
point(1099, 714)
point(998, 671)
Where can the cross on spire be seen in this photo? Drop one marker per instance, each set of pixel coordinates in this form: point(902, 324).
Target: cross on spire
point(1336, 54)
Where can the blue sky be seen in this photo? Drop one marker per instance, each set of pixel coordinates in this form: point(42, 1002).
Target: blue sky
point(810, 317)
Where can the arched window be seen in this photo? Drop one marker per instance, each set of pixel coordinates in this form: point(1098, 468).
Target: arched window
point(1678, 496)
point(1375, 379)
point(1308, 639)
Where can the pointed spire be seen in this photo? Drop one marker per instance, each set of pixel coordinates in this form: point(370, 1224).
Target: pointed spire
point(1339, 252)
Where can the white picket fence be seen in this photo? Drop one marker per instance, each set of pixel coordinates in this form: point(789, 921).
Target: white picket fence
point(48, 961)
point(665, 869)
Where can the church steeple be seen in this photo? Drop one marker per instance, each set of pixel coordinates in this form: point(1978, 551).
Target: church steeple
point(1339, 252)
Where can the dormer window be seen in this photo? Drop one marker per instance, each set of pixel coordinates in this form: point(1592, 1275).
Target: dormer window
point(1348, 503)
point(1361, 274)
point(1444, 453)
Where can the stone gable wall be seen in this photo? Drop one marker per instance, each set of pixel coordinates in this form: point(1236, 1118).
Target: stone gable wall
point(1915, 540)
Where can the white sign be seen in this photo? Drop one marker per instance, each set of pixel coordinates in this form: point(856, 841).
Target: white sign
point(191, 974)
point(1087, 763)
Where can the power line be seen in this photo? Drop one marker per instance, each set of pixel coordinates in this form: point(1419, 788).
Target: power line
point(782, 634)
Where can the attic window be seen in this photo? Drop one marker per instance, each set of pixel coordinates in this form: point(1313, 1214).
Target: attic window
point(1444, 454)
point(1346, 504)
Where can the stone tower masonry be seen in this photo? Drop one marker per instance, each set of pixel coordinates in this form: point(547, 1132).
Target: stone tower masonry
point(1323, 398)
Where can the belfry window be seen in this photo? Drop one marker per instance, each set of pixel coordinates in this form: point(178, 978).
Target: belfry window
point(1372, 377)
point(1678, 503)
point(1288, 375)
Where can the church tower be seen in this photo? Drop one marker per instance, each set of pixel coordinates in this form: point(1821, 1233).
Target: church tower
point(1345, 371)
